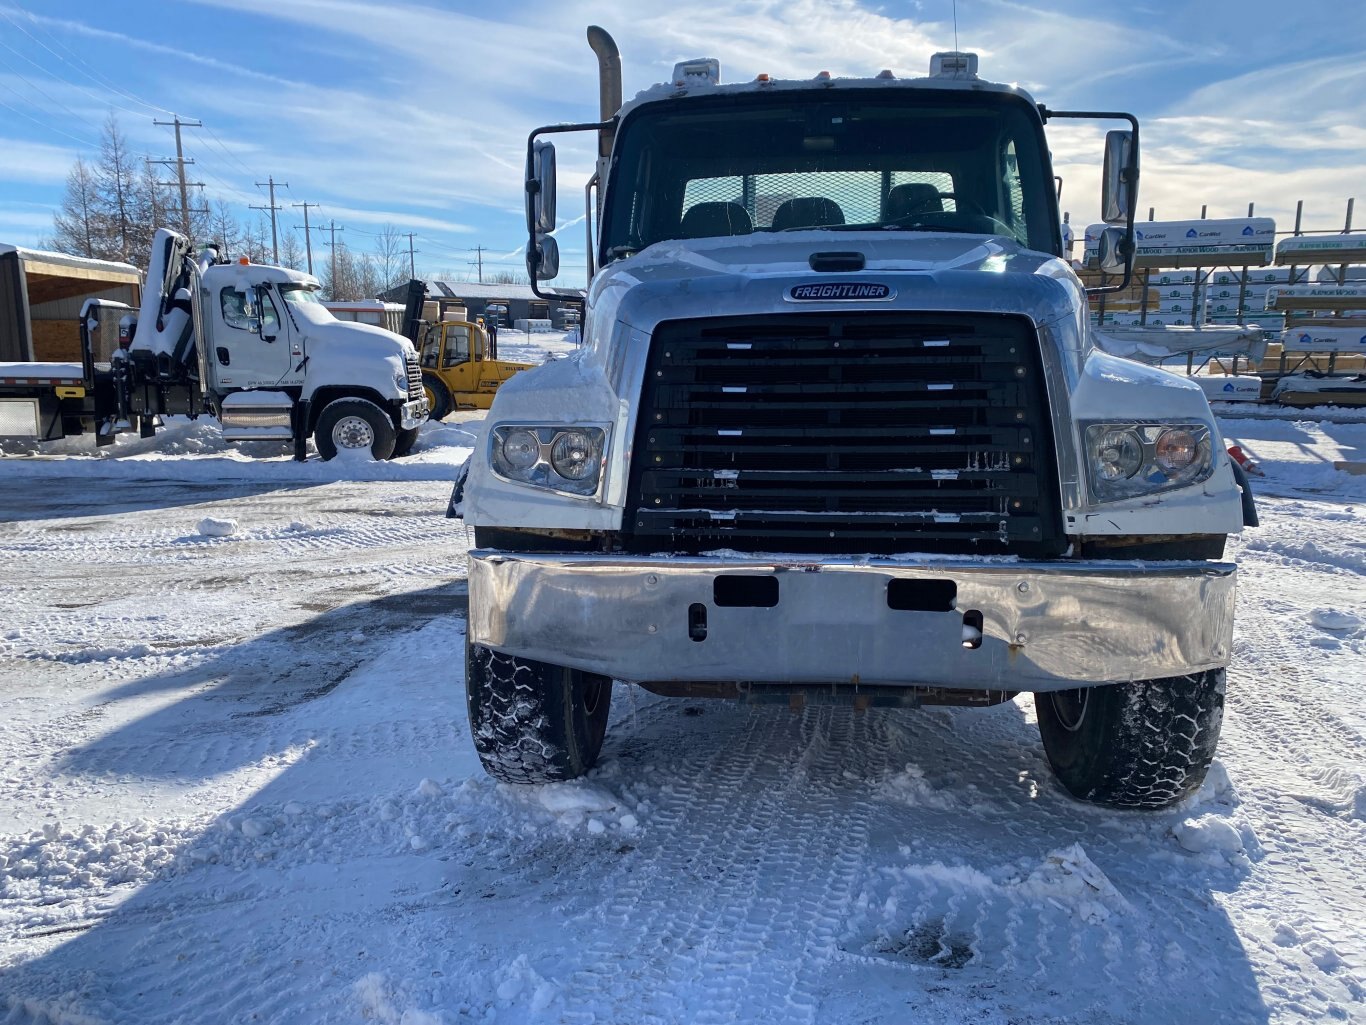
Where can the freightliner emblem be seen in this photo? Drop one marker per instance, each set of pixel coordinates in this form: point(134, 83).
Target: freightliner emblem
point(841, 292)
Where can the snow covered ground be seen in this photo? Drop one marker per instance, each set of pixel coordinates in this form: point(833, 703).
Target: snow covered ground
point(239, 788)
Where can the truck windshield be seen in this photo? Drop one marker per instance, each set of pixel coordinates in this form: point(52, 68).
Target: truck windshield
point(903, 159)
point(299, 295)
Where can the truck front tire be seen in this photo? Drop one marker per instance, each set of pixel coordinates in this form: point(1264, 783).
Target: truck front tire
point(351, 424)
point(533, 722)
point(1145, 744)
point(404, 442)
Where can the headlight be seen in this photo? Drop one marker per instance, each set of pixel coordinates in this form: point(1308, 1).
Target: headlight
point(561, 458)
point(1129, 460)
point(401, 381)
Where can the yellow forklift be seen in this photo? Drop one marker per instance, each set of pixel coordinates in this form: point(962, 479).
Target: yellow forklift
point(459, 357)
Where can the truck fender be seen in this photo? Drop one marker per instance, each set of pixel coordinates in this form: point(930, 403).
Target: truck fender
point(1249, 505)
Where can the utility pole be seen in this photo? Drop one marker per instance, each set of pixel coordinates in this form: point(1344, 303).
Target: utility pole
point(479, 255)
point(180, 163)
point(412, 253)
point(274, 237)
point(332, 285)
point(308, 237)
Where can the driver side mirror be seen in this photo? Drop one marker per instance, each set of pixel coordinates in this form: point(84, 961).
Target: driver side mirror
point(258, 317)
point(543, 257)
point(1119, 181)
point(540, 189)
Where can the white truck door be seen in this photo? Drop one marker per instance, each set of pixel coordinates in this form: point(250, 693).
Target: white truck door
point(252, 343)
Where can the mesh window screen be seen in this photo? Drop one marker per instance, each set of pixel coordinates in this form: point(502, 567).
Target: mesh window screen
point(858, 194)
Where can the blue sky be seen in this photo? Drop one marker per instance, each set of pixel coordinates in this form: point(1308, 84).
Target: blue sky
point(416, 115)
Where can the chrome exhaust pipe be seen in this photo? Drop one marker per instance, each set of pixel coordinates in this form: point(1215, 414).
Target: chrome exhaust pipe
point(609, 82)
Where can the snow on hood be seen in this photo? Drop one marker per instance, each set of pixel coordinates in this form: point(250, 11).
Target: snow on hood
point(319, 326)
point(790, 252)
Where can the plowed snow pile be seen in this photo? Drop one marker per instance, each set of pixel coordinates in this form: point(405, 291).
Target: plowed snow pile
point(239, 788)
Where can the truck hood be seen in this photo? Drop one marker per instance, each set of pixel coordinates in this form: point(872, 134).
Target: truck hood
point(323, 332)
point(756, 273)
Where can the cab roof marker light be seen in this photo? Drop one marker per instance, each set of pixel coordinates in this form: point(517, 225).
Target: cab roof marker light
point(701, 71)
point(953, 64)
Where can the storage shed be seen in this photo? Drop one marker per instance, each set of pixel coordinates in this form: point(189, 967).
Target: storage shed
point(40, 300)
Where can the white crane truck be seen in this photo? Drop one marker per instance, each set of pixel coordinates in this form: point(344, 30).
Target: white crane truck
point(839, 432)
point(250, 344)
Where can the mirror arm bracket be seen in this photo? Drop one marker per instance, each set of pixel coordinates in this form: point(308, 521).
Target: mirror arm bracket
point(609, 125)
point(1130, 174)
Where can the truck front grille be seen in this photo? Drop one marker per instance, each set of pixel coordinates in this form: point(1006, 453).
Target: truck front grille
point(414, 378)
point(866, 432)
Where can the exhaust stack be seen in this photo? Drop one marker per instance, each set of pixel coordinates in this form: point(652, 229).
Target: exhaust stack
point(609, 82)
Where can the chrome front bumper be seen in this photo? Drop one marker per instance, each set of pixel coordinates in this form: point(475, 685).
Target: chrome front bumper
point(413, 414)
point(1045, 625)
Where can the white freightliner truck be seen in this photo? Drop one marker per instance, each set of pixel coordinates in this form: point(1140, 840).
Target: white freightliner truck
point(250, 344)
point(839, 431)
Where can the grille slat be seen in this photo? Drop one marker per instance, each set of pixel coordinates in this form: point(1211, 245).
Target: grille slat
point(414, 378)
point(865, 432)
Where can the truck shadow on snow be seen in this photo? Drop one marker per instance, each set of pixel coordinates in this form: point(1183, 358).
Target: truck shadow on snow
point(260, 679)
point(108, 497)
point(823, 866)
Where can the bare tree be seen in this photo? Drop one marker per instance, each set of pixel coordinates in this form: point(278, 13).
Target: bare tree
point(78, 227)
point(390, 262)
point(118, 177)
point(291, 250)
point(257, 241)
point(505, 277)
point(224, 229)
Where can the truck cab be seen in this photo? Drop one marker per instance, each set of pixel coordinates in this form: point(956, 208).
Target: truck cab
point(839, 431)
point(253, 345)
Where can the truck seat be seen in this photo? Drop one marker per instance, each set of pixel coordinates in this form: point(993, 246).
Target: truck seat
point(911, 198)
point(709, 220)
point(807, 212)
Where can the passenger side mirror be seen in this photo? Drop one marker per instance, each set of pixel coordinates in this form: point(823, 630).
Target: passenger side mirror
point(543, 258)
point(540, 189)
point(1120, 177)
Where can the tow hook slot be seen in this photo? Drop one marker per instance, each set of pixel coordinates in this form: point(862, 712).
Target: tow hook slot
point(745, 591)
point(972, 629)
point(697, 621)
point(921, 595)
point(836, 263)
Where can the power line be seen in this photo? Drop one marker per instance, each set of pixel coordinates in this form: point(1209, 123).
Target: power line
point(228, 153)
point(50, 128)
point(90, 74)
point(102, 100)
point(33, 85)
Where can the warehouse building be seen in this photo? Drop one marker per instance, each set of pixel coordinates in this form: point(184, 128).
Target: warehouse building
point(517, 302)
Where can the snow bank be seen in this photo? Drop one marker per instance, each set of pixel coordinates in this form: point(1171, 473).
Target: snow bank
point(194, 450)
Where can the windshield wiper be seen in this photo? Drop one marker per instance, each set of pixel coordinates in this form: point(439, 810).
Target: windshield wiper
point(945, 228)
